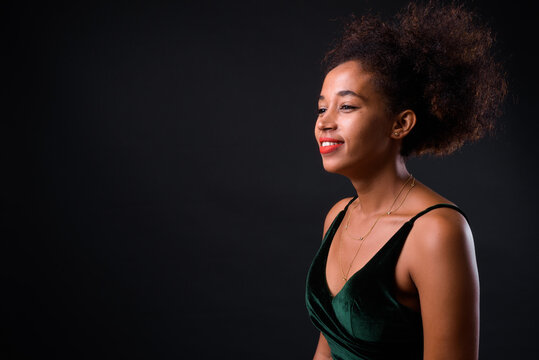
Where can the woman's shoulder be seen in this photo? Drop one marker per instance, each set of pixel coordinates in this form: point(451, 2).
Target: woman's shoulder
point(334, 211)
point(441, 221)
point(439, 230)
point(437, 226)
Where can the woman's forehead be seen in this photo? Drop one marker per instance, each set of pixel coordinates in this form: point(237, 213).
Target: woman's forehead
point(348, 76)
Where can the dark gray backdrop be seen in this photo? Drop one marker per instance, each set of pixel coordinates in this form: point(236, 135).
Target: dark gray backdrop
point(163, 196)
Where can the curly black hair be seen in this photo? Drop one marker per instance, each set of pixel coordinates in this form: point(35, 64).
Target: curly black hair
point(436, 60)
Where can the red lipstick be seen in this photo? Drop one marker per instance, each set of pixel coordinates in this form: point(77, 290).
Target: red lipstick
point(328, 145)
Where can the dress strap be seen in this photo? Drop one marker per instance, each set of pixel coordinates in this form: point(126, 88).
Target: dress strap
point(350, 202)
point(412, 220)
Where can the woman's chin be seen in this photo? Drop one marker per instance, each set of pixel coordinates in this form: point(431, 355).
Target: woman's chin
point(346, 169)
point(332, 168)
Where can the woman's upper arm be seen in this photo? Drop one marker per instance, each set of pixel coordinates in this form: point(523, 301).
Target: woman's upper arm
point(444, 270)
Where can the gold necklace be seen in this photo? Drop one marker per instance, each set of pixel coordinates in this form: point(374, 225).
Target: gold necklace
point(362, 238)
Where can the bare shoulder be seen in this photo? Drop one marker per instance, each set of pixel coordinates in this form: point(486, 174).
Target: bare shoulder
point(441, 227)
point(441, 236)
point(334, 211)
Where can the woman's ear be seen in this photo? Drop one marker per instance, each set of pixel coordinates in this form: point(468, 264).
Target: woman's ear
point(403, 124)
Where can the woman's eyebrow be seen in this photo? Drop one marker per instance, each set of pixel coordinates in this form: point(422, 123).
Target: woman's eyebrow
point(350, 92)
point(346, 93)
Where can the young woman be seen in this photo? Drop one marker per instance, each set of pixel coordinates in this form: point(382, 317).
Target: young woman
point(396, 276)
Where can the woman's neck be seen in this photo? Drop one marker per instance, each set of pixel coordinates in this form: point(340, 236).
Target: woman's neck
point(377, 190)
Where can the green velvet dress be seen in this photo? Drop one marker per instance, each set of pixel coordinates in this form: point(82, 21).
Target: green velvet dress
point(364, 320)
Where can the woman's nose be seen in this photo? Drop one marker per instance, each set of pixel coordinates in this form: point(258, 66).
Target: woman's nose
point(326, 121)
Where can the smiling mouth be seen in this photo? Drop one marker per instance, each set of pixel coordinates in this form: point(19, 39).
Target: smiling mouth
point(327, 147)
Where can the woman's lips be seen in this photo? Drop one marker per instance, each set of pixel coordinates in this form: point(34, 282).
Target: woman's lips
point(329, 145)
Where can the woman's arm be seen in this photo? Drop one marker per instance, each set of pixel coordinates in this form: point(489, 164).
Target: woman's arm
point(444, 270)
point(322, 350)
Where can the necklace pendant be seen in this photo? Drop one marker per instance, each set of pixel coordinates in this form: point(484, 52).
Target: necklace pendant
point(344, 279)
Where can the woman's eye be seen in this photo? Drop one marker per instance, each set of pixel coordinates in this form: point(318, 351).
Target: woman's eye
point(321, 110)
point(348, 107)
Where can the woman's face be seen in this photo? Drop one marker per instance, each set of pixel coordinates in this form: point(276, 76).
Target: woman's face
point(353, 128)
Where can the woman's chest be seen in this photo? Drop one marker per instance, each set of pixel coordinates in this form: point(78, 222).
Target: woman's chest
point(378, 263)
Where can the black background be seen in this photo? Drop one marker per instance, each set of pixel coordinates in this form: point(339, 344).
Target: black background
point(163, 196)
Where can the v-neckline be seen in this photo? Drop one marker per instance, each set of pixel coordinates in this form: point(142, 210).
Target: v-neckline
point(377, 254)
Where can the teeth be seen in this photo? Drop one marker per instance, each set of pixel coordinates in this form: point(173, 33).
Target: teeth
point(329, 143)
